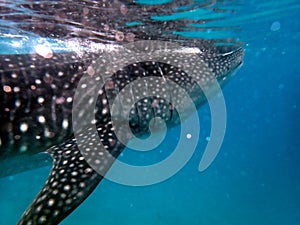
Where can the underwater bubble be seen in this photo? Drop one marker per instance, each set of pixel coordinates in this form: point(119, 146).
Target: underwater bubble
point(275, 26)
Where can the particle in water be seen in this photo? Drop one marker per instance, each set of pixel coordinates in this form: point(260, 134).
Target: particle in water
point(275, 26)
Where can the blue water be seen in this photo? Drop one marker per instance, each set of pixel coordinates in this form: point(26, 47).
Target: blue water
point(255, 179)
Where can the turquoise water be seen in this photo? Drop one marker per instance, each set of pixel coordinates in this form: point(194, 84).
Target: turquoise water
point(255, 179)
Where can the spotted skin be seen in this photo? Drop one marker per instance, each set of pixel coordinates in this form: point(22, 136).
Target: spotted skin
point(71, 179)
point(27, 119)
point(36, 96)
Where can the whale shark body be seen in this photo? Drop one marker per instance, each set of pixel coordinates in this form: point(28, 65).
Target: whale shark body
point(37, 101)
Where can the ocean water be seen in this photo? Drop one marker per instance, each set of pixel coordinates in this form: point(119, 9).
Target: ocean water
point(255, 179)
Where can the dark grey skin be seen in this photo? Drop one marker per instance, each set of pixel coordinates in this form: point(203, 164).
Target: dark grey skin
point(37, 96)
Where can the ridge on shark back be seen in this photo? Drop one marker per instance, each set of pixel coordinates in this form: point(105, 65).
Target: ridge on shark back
point(37, 95)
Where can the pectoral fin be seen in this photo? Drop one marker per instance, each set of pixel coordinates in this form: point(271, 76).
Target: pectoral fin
point(71, 179)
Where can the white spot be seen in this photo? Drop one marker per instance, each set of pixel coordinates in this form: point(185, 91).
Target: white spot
point(104, 111)
point(189, 136)
point(104, 101)
point(23, 127)
point(39, 208)
point(38, 81)
point(40, 100)
point(67, 187)
point(65, 124)
point(69, 99)
point(41, 119)
point(74, 173)
point(42, 219)
point(16, 89)
point(88, 170)
point(17, 103)
point(51, 202)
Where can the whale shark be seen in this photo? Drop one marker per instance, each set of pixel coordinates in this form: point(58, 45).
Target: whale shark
point(37, 94)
